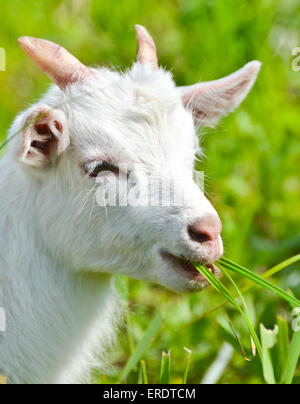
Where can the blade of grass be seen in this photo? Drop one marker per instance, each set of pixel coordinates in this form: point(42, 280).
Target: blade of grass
point(187, 365)
point(268, 274)
point(279, 267)
point(140, 376)
point(292, 359)
point(237, 339)
point(268, 341)
point(238, 292)
point(247, 313)
point(214, 281)
point(283, 345)
point(229, 334)
point(294, 351)
point(143, 377)
point(211, 278)
point(141, 347)
point(144, 372)
point(238, 269)
point(165, 368)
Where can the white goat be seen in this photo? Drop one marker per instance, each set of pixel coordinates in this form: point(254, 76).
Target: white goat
point(58, 248)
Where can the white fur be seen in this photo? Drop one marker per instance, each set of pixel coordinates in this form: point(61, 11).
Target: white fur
point(58, 249)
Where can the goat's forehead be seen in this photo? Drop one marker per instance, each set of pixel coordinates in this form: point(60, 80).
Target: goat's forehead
point(128, 95)
point(119, 115)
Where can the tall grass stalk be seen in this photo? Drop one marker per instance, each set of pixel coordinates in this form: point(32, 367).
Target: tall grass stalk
point(292, 359)
point(165, 368)
point(141, 347)
point(187, 365)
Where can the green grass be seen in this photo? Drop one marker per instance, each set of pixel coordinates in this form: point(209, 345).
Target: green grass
point(187, 366)
point(288, 352)
point(293, 359)
point(165, 368)
point(268, 337)
point(252, 164)
point(141, 347)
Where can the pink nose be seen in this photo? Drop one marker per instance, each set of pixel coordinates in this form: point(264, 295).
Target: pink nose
point(207, 229)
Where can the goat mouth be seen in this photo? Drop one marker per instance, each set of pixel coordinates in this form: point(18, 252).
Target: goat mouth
point(186, 268)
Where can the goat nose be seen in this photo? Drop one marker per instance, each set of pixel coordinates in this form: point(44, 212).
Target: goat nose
point(206, 229)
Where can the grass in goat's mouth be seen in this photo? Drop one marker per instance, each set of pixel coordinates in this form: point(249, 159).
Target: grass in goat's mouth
point(226, 266)
point(188, 268)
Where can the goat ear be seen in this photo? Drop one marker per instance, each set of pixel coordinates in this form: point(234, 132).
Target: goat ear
point(45, 135)
point(210, 101)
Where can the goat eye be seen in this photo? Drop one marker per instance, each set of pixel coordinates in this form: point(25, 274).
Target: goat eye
point(93, 168)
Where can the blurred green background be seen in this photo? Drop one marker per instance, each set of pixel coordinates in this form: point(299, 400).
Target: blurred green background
point(253, 157)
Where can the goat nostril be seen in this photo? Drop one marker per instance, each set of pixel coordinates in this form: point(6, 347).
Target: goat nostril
point(204, 230)
point(200, 237)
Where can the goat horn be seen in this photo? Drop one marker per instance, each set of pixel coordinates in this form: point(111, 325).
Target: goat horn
point(54, 60)
point(146, 47)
